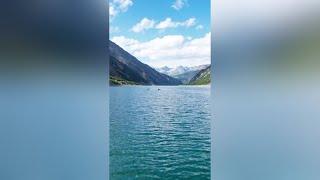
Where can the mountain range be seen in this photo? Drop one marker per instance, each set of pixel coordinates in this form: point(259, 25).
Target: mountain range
point(179, 69)
point(183, 73)
point(125, 69)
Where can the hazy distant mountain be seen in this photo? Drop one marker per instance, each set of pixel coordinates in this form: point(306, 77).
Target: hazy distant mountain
point(183, 73)
point(180, 69)
point(126, 69)
point(202, 77)
point(186, 77)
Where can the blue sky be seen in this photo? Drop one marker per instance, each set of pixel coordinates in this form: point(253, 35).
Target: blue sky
point(163, 32)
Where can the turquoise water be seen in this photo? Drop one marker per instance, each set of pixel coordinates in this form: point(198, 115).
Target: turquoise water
point(160, 132)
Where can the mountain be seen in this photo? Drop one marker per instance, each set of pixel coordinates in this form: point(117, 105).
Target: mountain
point(164, 70)
point(183, 73)
point(186, 77)
point(180, 69)
point(202, 77)
point(127, 69)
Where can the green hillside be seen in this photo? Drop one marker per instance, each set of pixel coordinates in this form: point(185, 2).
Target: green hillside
point(202, 78)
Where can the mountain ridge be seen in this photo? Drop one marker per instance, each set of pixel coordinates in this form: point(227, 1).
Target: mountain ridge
point(183, 73)
point(180, 69)
point(127, 69)
point(203, 77)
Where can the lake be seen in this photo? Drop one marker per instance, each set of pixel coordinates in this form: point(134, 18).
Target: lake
point(160, 132)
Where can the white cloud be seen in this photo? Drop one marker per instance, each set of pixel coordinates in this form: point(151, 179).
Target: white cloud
point(199, 27)
point(124, 42)
point(112, 11)
point(190, 22)
point(114, 29)
point(179, 4)
point(119, 6)
point(123, 5)
point(144, 24)
point(168, 23)
point(170, 50)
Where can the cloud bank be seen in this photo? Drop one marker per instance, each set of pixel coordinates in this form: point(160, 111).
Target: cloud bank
point(170, 50)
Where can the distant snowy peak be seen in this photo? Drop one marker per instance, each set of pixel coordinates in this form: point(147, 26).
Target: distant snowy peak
point(163, 69)
point(180, 69)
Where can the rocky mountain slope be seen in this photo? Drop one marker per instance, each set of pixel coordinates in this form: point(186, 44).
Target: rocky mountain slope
point(127, 69)
point(202, 77)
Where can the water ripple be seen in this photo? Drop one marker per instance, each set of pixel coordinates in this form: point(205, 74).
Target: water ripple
point(160, 134)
